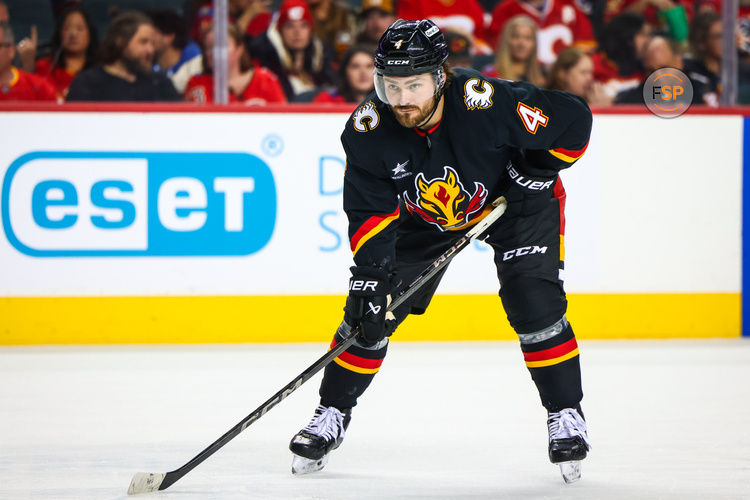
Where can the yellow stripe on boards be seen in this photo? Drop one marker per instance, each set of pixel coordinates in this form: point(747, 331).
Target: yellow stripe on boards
point(168, 320)
point(353, 368)
point(553, 361)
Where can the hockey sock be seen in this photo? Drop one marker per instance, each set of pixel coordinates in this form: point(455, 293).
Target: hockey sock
point(349, 375)
point(555, 368)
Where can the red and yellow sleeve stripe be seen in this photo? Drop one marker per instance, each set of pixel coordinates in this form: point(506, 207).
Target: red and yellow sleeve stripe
point(357, 364)
point(568, 155)
point(552, 356)
point(370, 228)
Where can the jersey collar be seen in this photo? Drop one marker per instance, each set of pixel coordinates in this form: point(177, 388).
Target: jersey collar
point(434, 128)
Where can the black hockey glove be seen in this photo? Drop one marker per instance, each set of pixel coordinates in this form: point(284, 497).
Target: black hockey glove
point(527, 194)
point(367, 304)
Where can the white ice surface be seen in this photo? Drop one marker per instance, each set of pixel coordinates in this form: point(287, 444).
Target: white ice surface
point(668, 420)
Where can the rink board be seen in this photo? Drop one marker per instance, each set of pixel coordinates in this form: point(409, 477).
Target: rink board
point(163, 227)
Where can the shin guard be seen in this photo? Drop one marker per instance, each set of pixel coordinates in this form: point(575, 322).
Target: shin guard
point(551, 355)
point(349, 375)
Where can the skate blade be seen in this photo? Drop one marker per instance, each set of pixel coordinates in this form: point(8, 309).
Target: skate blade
point(571, 471)
point(302, 465)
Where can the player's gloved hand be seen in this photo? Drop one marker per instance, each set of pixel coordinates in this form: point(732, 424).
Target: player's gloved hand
point(526, 193)
point(367, 304)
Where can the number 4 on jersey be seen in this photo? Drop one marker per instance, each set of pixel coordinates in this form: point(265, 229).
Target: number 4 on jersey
point(531, 117)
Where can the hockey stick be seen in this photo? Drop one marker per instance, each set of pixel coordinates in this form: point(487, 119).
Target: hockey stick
point(145, 482)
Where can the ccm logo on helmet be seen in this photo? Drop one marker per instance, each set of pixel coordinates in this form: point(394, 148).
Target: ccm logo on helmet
point(397, 62)
point(527, 183)
point(362, 285)
point(519, 252)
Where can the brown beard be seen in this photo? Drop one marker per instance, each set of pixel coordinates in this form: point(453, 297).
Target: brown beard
point(413, 120)
point(135, 66)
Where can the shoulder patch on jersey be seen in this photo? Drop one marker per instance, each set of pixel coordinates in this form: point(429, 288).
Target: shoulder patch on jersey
point(478, 94)
point(366, 118)
point(531, 117)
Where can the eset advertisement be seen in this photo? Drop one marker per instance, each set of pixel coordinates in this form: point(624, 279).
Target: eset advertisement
point(86, 204)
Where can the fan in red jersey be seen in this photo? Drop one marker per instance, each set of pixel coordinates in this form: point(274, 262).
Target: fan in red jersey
point(464, 16)
point(619, 63)
point(74, 46)
point(15, 84)
point(247, 85)
point(561, 23)
point(516, 54)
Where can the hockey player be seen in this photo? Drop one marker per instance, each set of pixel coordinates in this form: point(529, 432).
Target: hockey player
point(427, 153)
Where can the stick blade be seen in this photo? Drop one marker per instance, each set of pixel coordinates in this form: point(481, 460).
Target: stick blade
point(145, 482)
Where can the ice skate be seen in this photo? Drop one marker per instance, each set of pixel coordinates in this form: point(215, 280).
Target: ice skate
point(568, 441)
point(324, 433)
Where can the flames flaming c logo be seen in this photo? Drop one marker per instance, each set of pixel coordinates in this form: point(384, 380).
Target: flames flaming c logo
point(444, 202)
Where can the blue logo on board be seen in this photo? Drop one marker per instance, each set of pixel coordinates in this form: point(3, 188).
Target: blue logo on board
point(58, 204)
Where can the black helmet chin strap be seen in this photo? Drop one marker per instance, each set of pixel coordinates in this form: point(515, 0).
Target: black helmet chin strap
point(438, 96)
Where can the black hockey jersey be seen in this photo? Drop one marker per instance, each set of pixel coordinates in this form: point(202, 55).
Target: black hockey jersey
point(448, 176)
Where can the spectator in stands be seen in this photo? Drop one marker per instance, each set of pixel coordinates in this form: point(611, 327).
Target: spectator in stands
point(671, 15)
point(516, 55)
point(176, 55)
point(16, 84)
point(573, 72)
point(619, 63)
point(459, 49)
point(561, 23)
point(705, 41)
point(664, 53)
point(334, 25)
point(465, 16)
point(74, 48)
point(355, 75)
point(26, 48)
point(202, 23)
point(247, 85)
point(125, 74)
point(289, 49)
point(252, 17)
point(374, 19)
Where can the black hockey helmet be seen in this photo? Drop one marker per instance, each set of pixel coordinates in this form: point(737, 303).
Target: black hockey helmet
point(410, 47)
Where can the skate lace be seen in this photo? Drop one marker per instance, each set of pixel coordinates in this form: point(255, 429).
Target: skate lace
point(328, 423)
point(566, 424)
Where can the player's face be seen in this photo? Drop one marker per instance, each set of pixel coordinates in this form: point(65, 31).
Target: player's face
point(359, 72)
point(580, 77)
point(410, 97)
point(140, 49)
point(75, 34)
point(296, 35)
point(521, 42)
